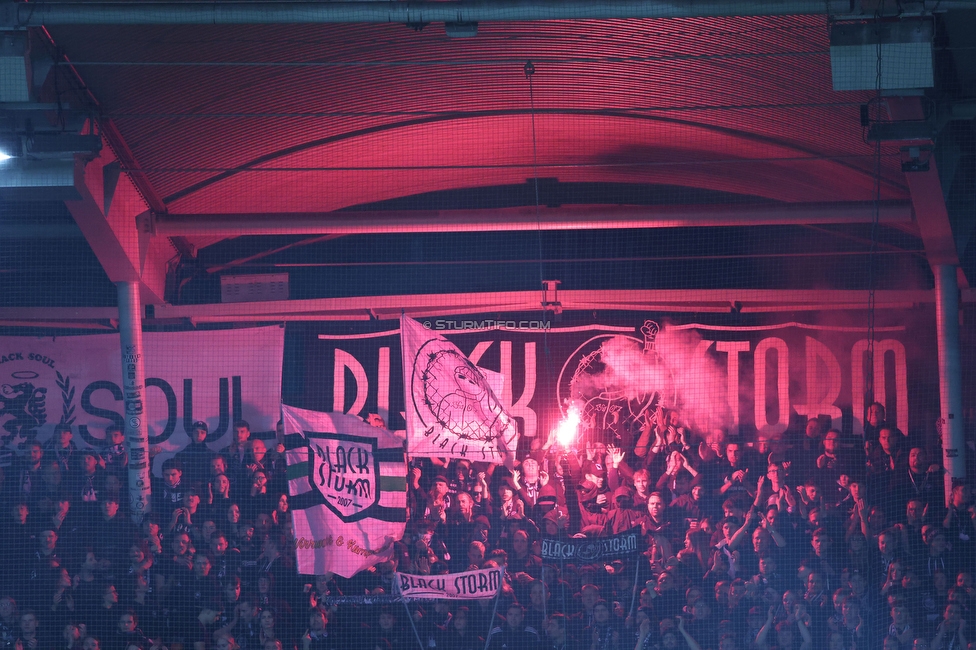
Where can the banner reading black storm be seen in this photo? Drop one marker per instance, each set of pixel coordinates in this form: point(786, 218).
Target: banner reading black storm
point(765, 378)
point(593, 549)
point(467, 585)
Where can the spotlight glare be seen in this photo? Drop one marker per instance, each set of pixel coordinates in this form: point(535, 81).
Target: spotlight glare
point(4, 156)
point(568, 428)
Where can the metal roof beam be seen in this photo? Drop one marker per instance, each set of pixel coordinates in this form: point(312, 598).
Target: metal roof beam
point(15, 15)
point(459, 304)
point(675, 300)
point(928, 197)
point(530, 218)
point(108, 213)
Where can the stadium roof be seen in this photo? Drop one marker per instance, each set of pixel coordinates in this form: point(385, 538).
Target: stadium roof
point(392, 159)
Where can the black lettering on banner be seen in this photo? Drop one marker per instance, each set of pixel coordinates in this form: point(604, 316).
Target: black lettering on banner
point(223, 406)
point(344, 475)
point(470, 584)
point(360, 487)
point(621, 544)
point(362, 461)
point(355, 460)
point(410, 582)
point(236, 397)
point(91, 409)
point(170, 396)
point(47, 361)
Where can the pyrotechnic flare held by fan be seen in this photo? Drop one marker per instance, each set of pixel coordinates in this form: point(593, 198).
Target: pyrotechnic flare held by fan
point(568, 428)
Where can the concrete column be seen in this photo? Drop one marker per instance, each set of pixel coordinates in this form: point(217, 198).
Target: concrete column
point(133, 389)
point(950, 373)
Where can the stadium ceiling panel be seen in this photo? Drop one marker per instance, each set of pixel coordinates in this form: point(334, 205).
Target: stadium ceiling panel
point(308, 129)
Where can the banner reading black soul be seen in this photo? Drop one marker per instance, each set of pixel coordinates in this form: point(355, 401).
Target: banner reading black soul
point(748, 379)
point(592, 550)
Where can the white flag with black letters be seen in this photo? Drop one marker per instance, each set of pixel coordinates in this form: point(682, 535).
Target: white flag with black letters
point(451, 409)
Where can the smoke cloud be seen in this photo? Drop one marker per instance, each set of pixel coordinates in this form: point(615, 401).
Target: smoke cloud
point(678, 372)
point(699, 381)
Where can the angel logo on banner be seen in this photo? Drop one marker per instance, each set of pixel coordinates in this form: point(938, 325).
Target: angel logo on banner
point(452, 408)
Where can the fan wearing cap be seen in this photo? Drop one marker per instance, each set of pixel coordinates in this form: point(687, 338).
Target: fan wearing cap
point(196, 456)
point(594, 497)
point(438, 500)
point(85, 485)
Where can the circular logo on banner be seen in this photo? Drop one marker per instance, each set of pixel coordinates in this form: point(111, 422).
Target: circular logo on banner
point(614, 379)
point(589, 550)
point(454, 394)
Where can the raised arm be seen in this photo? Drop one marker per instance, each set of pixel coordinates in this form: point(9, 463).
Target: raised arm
point(689, 640)
point(643, 444)
point(803, 624)
point(764, 630)
point(743, 531)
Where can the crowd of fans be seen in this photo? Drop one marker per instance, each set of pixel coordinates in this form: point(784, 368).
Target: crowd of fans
point(810, 540)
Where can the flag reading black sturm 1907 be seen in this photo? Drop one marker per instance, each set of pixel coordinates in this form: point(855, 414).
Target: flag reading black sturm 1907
point(348, 485)
point(451, 409)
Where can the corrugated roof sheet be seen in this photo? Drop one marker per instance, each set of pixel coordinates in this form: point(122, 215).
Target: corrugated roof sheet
point(279, 118)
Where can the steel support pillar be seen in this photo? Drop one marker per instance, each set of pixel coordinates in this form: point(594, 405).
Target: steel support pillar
point(950, 374)
point(133, 389)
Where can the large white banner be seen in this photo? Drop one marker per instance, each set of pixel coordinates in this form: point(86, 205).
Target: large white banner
point(451, 407)
point(216, 376)
point(348, 483)
point(468, 585)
